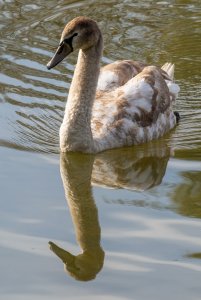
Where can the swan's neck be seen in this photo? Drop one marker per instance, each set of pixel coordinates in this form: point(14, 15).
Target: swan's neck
point(75, 131)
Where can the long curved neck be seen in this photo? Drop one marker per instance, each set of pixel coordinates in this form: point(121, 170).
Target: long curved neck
point(75, 131)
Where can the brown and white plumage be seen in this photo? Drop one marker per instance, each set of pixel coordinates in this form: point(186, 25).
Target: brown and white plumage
point(118, 73)
point(123, 104)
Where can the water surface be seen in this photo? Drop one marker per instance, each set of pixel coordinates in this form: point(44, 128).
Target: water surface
point(131, 227)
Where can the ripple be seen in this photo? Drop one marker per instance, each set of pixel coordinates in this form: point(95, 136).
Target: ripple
point(132, 258)
point(35, 98)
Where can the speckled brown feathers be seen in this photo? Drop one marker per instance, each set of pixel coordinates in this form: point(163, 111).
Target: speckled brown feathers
point(135, 112)
point(120, 72)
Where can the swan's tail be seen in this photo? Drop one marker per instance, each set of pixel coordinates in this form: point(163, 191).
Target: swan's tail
point(169, 69)
point(172, 86)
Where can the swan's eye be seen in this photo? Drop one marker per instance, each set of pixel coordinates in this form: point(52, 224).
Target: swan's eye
point(69, 40)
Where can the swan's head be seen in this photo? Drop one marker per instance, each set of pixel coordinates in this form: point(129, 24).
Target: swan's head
point(80, 33)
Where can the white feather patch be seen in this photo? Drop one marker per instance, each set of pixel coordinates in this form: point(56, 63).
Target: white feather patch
point(143, 103)
point(106, 80)
point(173, 87)
point(138, 89)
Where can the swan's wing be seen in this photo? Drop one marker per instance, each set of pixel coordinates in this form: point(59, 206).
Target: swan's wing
point(137, 112)
point(147, 91)
point(117, 74)
point(150, 94)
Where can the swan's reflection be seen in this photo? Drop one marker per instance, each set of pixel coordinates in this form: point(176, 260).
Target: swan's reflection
point(187, 194)
point(134, 168)
point(76, 172)
point(137, 168)
point(194, 255)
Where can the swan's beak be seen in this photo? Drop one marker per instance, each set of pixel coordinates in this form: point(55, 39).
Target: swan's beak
point(63, 50)
point(64, 255)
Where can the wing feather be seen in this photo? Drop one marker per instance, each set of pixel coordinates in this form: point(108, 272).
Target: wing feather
point(136, 112)
point(117, 74)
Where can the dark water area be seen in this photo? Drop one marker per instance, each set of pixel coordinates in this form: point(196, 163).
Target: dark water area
point(131, 227)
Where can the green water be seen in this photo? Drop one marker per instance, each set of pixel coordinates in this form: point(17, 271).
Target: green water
point(124, 224)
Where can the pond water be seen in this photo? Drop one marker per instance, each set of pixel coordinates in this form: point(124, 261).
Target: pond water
point(126, 223)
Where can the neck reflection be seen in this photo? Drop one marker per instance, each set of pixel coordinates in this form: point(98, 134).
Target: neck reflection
point(76, 172)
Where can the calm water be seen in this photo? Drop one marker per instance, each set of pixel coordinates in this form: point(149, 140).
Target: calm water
point(124, 224)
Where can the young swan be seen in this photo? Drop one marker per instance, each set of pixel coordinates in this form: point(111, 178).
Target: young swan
point(123, 104)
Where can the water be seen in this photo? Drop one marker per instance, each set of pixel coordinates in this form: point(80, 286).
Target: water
point(131, 226)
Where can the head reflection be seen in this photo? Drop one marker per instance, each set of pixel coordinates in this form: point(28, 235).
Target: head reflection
point(138, 168)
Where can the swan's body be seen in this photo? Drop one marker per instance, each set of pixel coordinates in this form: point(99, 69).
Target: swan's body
point(123, 104)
